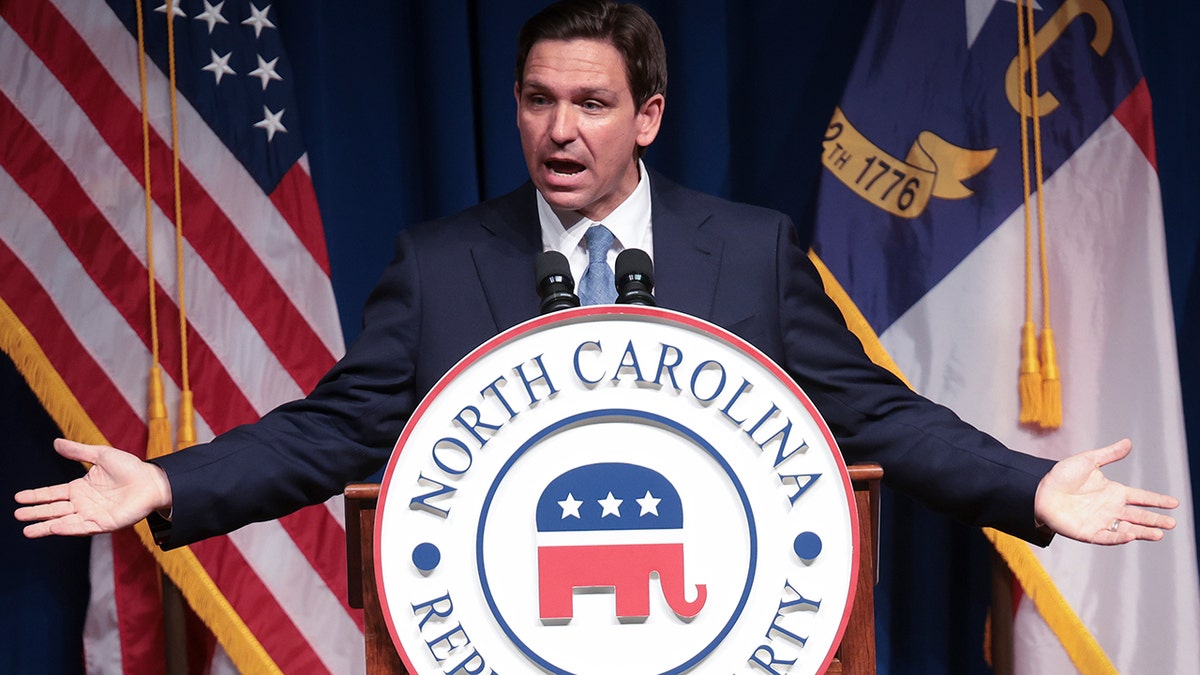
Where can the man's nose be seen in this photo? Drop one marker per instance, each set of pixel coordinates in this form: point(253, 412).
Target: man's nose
point(564, 126)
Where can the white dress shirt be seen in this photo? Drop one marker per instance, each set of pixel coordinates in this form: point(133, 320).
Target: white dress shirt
point(563, 231)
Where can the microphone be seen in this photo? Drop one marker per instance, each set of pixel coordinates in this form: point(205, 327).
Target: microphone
point(635, 278)
point(555, 285)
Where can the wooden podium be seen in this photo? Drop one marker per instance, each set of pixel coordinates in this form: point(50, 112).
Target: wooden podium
point(855, 656)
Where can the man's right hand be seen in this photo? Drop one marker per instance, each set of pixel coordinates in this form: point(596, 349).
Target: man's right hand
point(116, 492)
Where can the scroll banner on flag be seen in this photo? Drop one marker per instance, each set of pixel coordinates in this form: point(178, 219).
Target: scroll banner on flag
point(262, 324)
point(944, 288)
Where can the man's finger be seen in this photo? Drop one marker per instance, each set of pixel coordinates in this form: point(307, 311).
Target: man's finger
point(1126, 532)
point(44, 511)
point(1140, 497)
point(37, 530)
point(77, 451)
point(43, 495)
point(1112, 453)
point(1136, 516)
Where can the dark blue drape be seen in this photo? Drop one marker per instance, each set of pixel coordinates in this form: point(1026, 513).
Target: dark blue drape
point(408, 114)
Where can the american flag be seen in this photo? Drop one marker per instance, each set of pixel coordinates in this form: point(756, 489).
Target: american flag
point(262, 324)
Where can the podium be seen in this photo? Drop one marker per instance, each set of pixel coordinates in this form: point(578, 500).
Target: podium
point(855, 656)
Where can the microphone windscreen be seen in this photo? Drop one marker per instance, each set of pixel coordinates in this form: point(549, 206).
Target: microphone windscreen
point(552, 263)
point(635, 261)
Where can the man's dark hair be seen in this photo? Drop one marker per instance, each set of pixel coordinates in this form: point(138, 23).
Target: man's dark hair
point(626, 27)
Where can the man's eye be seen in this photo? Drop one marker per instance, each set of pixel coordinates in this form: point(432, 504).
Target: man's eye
point(592, 105)
point(538, 99)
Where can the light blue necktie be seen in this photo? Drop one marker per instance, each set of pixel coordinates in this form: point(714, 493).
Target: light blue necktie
point(597, 286)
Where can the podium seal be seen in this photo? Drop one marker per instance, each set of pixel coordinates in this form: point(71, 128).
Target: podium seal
point(616, 490)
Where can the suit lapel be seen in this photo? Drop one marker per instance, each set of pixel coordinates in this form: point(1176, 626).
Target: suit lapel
point(686, 259)
point(505, 256)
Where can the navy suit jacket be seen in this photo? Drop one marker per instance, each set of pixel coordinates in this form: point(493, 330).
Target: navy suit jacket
point(458, 281)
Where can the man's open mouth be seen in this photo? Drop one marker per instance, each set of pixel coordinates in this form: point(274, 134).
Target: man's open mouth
point(564, 167)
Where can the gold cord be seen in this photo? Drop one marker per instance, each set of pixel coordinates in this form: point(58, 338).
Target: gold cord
point(186, 432)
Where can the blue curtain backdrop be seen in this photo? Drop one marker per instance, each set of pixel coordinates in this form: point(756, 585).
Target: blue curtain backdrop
point(408, 112)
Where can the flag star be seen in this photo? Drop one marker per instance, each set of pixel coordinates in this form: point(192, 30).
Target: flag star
point(175, 11)
point(611, 506)
point(212, 15)
point(649, 504)
point(266, 71)
point(270, 122)
point(258, 19)
point(570, 506)
point(977, 14)
point(219, 66)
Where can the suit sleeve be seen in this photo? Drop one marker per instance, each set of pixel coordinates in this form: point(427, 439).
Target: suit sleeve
point(925, 450)
point(306, 451)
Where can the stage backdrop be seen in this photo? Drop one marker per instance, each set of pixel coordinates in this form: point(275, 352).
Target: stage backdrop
point(407, 110)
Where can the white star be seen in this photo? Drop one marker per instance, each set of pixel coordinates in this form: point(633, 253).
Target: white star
point(977, 12)
point(570, 506)
point(611, 506)
point(270, 122)
point(212, 15)
point(175, 11)
point(258, 19)
point(219, 66)
point(266, 71)
point(649, 504)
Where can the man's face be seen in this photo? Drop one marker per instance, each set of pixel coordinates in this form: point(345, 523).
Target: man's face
point(579, 126)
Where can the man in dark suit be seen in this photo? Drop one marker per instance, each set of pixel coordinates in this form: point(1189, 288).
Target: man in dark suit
point(591, 78)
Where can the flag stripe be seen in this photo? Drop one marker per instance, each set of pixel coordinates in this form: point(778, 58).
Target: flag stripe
point(101, 637)
point(315, 531)
point(107, 259)
point(303, 277)
point(140, 622)
point(257, 606)
point(224, 249)
point(297, 203)
point(1136, 115)
point(110, 382)
point(314, 613)
point(91, 385)
point(69, 133)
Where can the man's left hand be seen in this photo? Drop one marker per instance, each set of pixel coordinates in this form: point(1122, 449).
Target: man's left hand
point(1077, 501)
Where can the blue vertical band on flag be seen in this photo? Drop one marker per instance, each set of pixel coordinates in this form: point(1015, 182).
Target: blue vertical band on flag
point(907, 83)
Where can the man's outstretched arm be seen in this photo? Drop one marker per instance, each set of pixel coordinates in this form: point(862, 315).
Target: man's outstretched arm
point(116, 492)
point(1077, 501)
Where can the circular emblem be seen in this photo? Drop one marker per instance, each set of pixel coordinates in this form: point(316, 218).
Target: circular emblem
point(616, 490)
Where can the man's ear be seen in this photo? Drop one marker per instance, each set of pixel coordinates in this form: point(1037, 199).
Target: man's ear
point(649, 119)
point(517, 92)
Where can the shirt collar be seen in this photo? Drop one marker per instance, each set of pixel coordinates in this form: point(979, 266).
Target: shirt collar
point(563, 230)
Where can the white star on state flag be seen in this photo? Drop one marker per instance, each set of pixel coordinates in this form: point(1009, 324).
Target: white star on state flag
point(649, 504)
point(219, 66)
point(258, 19)
point(266, 71)
point(212, 15)
point(611, 506)
point(977, 12)
point(270, 122)
point(570, 506)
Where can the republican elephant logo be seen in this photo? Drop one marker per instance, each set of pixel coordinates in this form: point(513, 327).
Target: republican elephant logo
point(611, 526)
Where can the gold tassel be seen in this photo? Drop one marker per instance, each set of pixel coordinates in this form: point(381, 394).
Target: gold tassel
point(1031, 383)
point(159, 441)
point(186, 433)
point(1052, 413)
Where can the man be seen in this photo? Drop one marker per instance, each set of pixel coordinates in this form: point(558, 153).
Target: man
point(591, 78)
